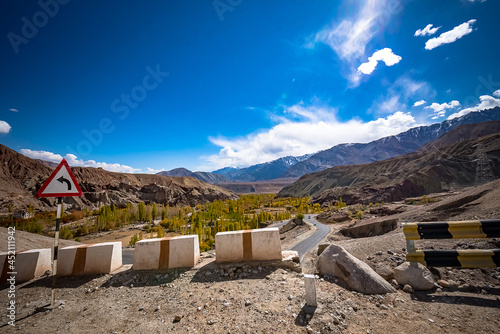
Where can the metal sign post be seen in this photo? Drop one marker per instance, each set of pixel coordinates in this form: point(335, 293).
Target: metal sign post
point(61, 183)
point(56, 249)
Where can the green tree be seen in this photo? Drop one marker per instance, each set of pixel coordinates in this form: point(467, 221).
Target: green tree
point(153, 211)
point(142, 212)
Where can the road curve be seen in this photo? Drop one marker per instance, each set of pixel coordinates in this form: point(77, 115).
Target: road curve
point(307, 244)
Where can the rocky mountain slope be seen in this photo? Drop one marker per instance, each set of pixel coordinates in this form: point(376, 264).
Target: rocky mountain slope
point(414, 174)
point(387, 147)
point(21, 177)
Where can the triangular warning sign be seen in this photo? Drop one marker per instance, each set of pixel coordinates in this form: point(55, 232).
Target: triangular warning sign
point(61, 183)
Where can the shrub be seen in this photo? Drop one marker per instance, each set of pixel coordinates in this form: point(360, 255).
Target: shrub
point(359, 214)
point(134, 239)
point(161, 232)
point(30, 226)
point(65, 233)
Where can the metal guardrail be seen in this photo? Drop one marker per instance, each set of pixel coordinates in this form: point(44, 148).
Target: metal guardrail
point(474, 258)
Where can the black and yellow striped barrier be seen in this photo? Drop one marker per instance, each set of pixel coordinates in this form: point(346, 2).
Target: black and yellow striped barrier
point(453, 229)
point(471, 258)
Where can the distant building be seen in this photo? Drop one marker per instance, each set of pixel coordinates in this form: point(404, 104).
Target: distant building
point(23, 215)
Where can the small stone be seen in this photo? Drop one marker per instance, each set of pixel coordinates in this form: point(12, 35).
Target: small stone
point(248, 303)
point(208, 273)
point(408, 289)
point(443, 283)
point(378, 253)
point(177, 318)
point(141, 309)
point(384, 307)
point(290, 297)
point(211, 322)
point(430, 320)
point(157, 308)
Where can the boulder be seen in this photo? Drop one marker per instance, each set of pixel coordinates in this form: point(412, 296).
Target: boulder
point(416, 275)
point(336, 261)
point(385, 271)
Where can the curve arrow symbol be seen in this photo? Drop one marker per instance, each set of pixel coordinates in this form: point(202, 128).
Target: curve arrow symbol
point(62, 179)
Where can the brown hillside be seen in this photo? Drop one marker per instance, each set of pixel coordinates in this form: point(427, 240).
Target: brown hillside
point(21, 177)
point(413, 174)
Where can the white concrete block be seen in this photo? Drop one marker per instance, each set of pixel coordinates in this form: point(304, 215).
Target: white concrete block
point(229, 246)
point(310, 285)
point(266, 244)
point(248, 245)
point(146, 254)
point(91, 259)
point(170, 252)
point(184, 251)
point(28, 264)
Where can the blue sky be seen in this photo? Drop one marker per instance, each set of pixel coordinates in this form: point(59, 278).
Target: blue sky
point(149, 86)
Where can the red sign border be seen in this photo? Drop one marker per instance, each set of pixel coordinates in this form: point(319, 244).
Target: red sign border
point(64, 163)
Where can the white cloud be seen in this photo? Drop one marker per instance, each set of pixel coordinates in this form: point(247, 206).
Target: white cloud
point(400, 94)
point(4, 127)
point(419, 103)
point(486, 102)
point(427, 31)
point(450, 36)
point(440, 109)
point(317, 129)
point(153, 171)
point(386, 55)
point(74, 161)
point(13, 109)
point(496, 93)
point(348, 39)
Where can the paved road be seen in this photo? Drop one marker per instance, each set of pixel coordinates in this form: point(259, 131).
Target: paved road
point(307, 244)
point(128, 256)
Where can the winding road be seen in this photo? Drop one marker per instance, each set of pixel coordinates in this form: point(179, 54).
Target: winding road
point(307, 244)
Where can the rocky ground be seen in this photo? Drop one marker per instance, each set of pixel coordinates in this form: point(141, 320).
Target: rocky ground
point(267, 299)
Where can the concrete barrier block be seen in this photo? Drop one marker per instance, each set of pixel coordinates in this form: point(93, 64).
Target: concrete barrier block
point(248, 245)
point(28, 264)
point(164, 253)
point(100, 258)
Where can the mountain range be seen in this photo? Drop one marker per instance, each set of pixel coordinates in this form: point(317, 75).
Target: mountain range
point(387, 147)
point(339, 155)
point(208, 177)
point(448, 163)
